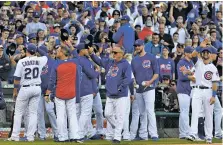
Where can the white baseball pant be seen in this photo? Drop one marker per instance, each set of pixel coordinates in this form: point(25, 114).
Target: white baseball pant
point(184, 104)
point(126, 132)
point(86, 103)
point(202, 96)
point(97, 107)
point(66, 109)
point(217, 117)
point(135, 121)
point(146, 103)
point(115, 109)
point(27, 97)
point(41, 117)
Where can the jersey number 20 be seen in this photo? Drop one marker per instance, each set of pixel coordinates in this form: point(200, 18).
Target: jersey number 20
point(31, 73)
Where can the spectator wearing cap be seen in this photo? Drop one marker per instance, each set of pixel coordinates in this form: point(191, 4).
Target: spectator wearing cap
point(19, 39)
point(176, 56)
point(141, 20)
point(184, 90)
point(18, 11)
point(12, 27)
point(125, 35)
point(35, 25)
point(118, 69)
point(86, 95)
point(154, 47)
point(32, 38)
point(146, 31)
point(165, 39)
point(104, 8)
point(50, 19)
point(166, 65)
point(217, 18)
point(214, 41)
point(205, 19)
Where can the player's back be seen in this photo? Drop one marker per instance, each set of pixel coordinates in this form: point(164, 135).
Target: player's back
point(29, 69)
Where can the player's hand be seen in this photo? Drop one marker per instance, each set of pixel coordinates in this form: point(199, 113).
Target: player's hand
point(47, 98)
point(148, 83)
point(15, 94)
point(212, 100)
point(132, 98)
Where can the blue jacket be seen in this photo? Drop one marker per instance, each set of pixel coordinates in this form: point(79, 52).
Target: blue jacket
point(143, 69)
point(118, 76)
point(45, 75)
point(183, 83)
point(88, 76)
point(150, 48)
point(128, 34)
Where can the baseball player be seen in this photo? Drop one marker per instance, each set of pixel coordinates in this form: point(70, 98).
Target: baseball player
point(27, 75)
point(184, 91)
point(118, 78)
point(204, 93)
point(86, 101)
point(42, 50)
point(65, 79)
point(145, 70)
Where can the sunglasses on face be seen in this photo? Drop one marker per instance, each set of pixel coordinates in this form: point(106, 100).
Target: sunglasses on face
point(137, 45)
point(116, 14)
point(114, 52)
point(172, 84)
point(34, 39)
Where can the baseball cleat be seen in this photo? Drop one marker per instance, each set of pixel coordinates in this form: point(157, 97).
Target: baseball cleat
point(218, 137)
point(76, 141)
point(209, 141)
point(115, 141)
point(191, 138)
point(155, 138)
point(12, 139)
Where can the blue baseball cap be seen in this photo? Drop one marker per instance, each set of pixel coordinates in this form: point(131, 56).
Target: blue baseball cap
point(139, 42)
point(81, 46)
point(31, 47)
point(106, 5)
point(43, 48)
point(188, 49)
point(125, 17)
point(32, 35)
point(214, 50)
point(36, 15)
point(206, 49)
point(18, 36)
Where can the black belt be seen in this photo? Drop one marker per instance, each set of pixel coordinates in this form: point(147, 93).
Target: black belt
point(31, 85)
point(201, 87)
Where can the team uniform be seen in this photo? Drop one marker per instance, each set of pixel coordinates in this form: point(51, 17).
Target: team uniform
point(65, 81)
point(143, 69)
point(183, 93)
point(118, 78)
point(201, 94)
point(29, 70)
point(43, 105)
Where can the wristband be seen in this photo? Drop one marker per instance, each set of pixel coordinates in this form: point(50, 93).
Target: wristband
point(214, 93)
point(16, 86)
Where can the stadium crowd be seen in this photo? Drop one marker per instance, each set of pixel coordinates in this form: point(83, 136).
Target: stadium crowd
point(168, 31)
